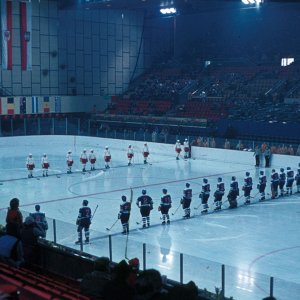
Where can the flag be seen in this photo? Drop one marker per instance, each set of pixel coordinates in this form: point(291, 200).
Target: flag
point(6, 34)
point(10, 106)
point(57, 104)
point(23, 105)
point(26, 24)
point(35, 104)
point(46, 104)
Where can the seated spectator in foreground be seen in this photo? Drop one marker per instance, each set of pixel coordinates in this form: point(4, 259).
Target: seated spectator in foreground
point(149, 286)
point(118, 288)
point(40, 218)
point(29, 235)
point(13, 213)
point(93, 283)
point(11, 248)
point(187, 291)
point(134, 266)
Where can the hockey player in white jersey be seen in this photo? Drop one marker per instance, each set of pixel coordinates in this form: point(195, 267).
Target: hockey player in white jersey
point(45, 164)
point(130, 154)
point(30, 165)
point(83, 160)
point(92, 159)
point(107, 157)
point(177, 149)
point(186, 148)
point(146, 153)
point(69, 161)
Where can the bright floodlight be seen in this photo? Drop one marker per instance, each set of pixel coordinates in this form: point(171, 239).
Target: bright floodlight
point(245, 1)
point(168, 11)
point(251, 1)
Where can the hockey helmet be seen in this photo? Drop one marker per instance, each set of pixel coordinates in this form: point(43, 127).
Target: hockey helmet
point(219, 179)
point(233, 178)
point(69, 151)
point(164, 191)
point(205, 180)
point(144, 192)
point(29, 154)
point(261, 172)
point(129, 146)
point(273, 170)
point(123, 198)
point(178, 141)
point(37, 207)
point(44, 154)
point(85, 202)
point(187, 185)
point(288, 168)
point(84, 150)
point(281, 169)
point(106, 147)
point(247, 174)
point(186, 139)
point(92, 150)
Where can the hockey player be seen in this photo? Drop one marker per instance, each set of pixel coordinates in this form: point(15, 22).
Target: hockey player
point(83, 160)
point(177, 149)
point(107, 157)
point(262, 185)
point(186, 201)
point(282, 179)
point(40, 218)
point(45, 164)
point(257, 154)
point(233, 193)
point(297, 178)
point(124, 214)
point(204, 195)
point(219, 194)
point(247, 187)
point(30, 165)
point(145, 153)
point(69, 161)
point(186, 149)
point(165, 205)
point(145, 204)
point(274, 183)
point(130, 154)
point(92, 159)
point(83, 222)
point(289, 181)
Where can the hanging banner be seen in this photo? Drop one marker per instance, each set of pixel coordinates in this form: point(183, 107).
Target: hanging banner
point(35, 104)
point(57, 104)
point(10, 106)
point(6, 34)
point(23, 105)
point(46, 104)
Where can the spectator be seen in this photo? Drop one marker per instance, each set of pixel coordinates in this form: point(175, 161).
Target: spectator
point(149, 286)
point(30, 234)
point(40, 218)
point(290, 150)
point(298, 151)
point(267, 155)
point(187, 291)
point(227, 144)
point(11, 248)
point(118, 288)
point(93, 283)
point(212, 143)
point(134, 265)
point(13, 214)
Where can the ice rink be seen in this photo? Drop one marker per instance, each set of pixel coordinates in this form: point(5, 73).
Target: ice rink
point(254, 242)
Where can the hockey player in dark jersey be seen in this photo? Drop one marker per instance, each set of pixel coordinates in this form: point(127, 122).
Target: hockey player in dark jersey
point(233, 193)
point(124, 214)
point(83, 222)
point(262, 185)
point(219, 193)
point(186, 201)
point(247, 187)
point(282, 179)
point(165, 205)
point(297, 179)
point(145, 204)
point(274, 183)
point(289, 181)
point(40, 218)
point(204, 195)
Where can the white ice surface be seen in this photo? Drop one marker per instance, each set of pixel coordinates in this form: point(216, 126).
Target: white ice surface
point(262, 238)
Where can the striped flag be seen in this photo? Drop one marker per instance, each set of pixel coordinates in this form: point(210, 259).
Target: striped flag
point(23, 105)
point(26, 25)
point(10, 106)
point(46, 104)
point(35, 104)
point(57, 104)
point(6, 34)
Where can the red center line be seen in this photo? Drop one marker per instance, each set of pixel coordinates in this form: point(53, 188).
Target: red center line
point(125, 189)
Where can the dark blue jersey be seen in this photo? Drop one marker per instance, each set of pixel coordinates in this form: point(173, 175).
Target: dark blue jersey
point(234, 186)
point(290, 175)
point(221, 187)
point(84, 216)
point(166, 201)
point(248, 182)
point(274, 177)
point(262, 179)
point(144, 201)
point(282, 177)
point(206, 188)
point(187, 193)
point(125, 208)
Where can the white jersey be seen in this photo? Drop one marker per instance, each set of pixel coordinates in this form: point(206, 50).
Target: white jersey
point(44, 160)
point(130, 151)
point(106, 153)
point(83, 155)
point(69, 157)
point(29, 161)
point(178, 145)
point(145, 149)
point(186, 144)
point(92, 156)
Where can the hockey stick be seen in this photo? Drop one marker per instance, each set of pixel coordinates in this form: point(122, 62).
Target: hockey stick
point(94, 212)
point(110, 228)
point(176, 209)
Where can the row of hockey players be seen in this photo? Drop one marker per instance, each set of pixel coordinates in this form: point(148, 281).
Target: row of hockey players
point(145, 202)
point(84, 159)
point(186, 149)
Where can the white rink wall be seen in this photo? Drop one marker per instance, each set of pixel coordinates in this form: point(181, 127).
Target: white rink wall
point(22, 145)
